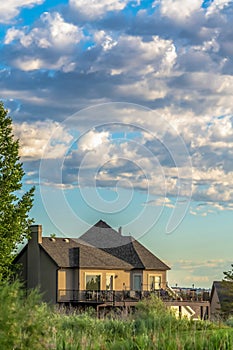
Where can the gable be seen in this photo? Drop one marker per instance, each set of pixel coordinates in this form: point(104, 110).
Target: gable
point(223, 291)
point(126, 248)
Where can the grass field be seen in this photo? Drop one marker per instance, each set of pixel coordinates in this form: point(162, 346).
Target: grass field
point(28, 324)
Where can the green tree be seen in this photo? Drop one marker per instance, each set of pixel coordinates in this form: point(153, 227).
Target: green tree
point(14, 208)
point(226, 294)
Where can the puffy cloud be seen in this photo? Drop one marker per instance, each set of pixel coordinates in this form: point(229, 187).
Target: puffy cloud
point(92, 140)
point(11, 8)
point(179, 10)
point(216, 6)
point(53, 34)
point(30, 64)
point(132, 55)
point(180, 68)
point(94, 8)
point(35, 138)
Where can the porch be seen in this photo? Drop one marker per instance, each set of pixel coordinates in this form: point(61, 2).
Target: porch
point(112, 296)
point(193, 304)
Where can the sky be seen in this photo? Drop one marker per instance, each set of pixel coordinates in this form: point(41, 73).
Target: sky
point(124, 113)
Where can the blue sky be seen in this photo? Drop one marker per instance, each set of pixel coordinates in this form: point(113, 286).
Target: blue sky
point(124, 113)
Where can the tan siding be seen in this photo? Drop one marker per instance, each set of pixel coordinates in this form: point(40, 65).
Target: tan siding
point(65, 279)
point(121, 278)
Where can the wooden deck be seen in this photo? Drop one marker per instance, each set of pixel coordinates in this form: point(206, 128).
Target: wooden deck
point(196, 304)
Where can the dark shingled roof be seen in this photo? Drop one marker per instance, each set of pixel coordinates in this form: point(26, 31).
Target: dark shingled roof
point(101, 247)
point(137, 255)
point(126, 248)
point(101, 235)
point(224, 291)
point(71, 253)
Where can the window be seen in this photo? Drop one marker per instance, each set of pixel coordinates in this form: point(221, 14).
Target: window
point(154, 282)
point(93, 282)
point(109, 281)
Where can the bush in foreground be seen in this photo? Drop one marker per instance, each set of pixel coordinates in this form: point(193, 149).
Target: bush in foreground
point(24, 320)
point(27, 323)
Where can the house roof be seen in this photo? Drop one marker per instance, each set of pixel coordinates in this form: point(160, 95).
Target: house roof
point(137, 255)
point(71, 253)
point(126, 248)
point(101, 247)
point(101, 235)
point(224, 293)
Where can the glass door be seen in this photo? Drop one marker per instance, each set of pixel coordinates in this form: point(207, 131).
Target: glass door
point(137, 282)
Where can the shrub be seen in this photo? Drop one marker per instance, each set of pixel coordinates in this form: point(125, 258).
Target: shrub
point(24, 320)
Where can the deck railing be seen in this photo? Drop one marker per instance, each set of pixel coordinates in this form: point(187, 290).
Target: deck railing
point(112, 296)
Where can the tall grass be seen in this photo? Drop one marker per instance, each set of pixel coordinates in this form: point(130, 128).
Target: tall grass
point(27, 323)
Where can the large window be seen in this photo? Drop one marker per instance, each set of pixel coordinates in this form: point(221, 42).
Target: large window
point(93, 282)
point(154, 282)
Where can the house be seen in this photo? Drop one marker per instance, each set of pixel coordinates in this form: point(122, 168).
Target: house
point(102, 266)
point(220, 299)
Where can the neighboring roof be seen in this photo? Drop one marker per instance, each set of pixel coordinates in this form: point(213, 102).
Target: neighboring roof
point(71, 253)
point(126, 248)
point(224, 293)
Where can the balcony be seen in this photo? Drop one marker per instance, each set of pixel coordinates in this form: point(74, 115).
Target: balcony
point(112, 297)
point(97, 296)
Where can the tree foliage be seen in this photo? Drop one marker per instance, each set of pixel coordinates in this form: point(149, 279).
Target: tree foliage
point(227, 294)
point(228, 275)
point(14, 207)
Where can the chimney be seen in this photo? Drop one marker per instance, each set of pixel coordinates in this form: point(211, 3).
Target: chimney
point(36, 233)
point(33, 257)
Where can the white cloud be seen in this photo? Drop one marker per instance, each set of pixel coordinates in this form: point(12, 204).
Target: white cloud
point(11, 8)
point(184, 264)
point(60, 33)
point(53, 32)
point(35, 138)
point(216, 6)
point(13, 34)
point(30, 64)
point(186, 78)
point(132, 55)
point(179, 10)
point(166, 202)
point(96, 8)
point(92, 140)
